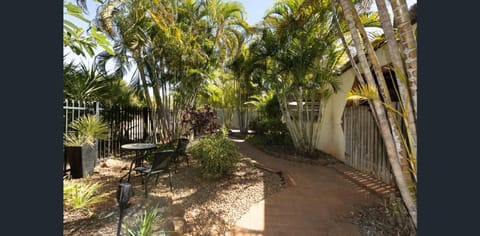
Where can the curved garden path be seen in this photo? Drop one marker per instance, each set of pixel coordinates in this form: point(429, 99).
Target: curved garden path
point(318, 200)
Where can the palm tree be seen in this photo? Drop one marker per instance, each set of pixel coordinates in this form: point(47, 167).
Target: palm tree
point(176, 46)
point(82, 83)
point(401, 148)
point(386, 128)
point(75, 38)
point(129, 25)
point(124, 29)
point(395, 53)
point(408, 45)
point(226, 20)
point(298, 56)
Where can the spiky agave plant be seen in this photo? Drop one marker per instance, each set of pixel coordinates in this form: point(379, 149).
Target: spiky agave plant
point(81, 195)
point(87, 130)
point(143, 224)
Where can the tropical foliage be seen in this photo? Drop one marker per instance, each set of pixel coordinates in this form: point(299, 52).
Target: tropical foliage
point(84, 83)
point(295, 55)
point(176, 47)
point(81, 83)
point(202, 121)
point(185, 53)
point(75, 37)
point(269, 127)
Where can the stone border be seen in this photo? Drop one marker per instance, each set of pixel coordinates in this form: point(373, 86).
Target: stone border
point(329, 160)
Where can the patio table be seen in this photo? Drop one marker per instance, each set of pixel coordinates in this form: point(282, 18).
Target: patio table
point(139, 148)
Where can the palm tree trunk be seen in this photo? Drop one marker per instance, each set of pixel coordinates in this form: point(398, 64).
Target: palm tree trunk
point(385, 94)
point(381, 115)
point(138, 60)
point(409, 45)
point(394, 124)
point(154, 76)
point(293, 130)
point(355, 68)
point(398, 63)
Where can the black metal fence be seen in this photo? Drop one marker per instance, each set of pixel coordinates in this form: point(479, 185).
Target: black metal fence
point(127, 124)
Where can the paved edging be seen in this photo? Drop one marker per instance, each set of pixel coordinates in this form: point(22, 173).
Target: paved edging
point(287, 177)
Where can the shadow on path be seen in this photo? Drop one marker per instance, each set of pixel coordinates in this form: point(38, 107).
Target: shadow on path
point(318, 200)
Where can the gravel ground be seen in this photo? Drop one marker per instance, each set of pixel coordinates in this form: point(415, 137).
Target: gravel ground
point(195, 207)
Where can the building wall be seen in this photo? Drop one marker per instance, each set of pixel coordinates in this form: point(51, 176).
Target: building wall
point(332, 138)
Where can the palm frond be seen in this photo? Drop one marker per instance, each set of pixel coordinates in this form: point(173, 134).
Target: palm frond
point(363, 92)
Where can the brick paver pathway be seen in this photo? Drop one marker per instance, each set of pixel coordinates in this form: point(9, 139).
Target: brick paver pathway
point(318, 200)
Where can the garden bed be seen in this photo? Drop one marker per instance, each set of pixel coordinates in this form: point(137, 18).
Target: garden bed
point(196, 206)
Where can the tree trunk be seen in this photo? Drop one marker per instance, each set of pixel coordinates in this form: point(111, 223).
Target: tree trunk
point(409, 46)
point(394, 125)
point(355, 68)
point(381, 115)
point(399, 68)
point(140, 66)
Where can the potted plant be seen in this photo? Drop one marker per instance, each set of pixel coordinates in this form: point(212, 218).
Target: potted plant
point(81, 149)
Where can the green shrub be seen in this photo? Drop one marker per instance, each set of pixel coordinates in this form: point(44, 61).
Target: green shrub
point(269, 126)
point(81, 195)
point(272, 131)
point(255, 140)
point(216, 154)
point(272, 108)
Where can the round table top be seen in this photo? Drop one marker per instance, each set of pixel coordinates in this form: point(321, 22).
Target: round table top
point(139, 146)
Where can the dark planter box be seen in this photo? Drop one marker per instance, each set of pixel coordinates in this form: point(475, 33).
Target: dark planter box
point(82, 160)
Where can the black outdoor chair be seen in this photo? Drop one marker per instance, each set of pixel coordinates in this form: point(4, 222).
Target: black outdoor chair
point(160, 164)
point(181, 151)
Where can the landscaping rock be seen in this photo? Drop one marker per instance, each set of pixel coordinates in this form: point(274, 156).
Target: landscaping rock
point(195, 206)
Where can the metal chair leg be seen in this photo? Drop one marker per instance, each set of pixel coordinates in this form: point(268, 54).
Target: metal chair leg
point(156, 180)
point(146, 186)
point(170, 178)
point(130, 172)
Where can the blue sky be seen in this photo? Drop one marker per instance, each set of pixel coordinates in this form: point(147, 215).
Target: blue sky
point(255, 9)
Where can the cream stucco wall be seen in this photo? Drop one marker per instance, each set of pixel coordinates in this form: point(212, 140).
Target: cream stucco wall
point(332, 138)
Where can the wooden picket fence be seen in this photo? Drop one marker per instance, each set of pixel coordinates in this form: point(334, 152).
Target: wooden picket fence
point(364, 147)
